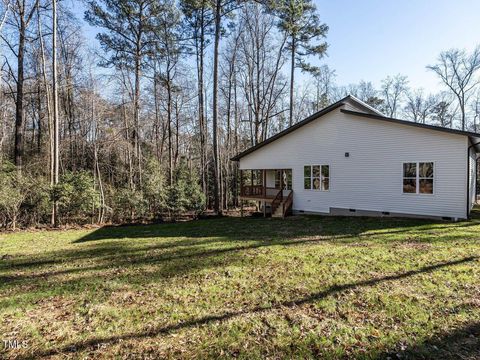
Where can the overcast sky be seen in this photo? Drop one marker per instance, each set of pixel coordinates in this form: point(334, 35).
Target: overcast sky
point(371, 39)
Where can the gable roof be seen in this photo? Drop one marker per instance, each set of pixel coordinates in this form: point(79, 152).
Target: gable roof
point(295, 127)
point(370, 112)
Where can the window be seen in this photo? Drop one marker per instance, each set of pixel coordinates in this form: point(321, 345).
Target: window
point(418, 178)
point(410, 178)
point(287, 179)
point(425, 178)
point(316, 177)
point(257, 177)
point(325, 177)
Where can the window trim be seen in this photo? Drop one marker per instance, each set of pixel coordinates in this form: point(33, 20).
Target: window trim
point(321, 177)
point(417, 178)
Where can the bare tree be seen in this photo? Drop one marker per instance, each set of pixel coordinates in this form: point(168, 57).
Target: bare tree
point(56, 125)
point(364, 91)
point(198, 25)
point(392, 91)
point(443, 111)
point(261, 59)
point(324, 79)
point(475, 106)
point(419, 106)
point(23, 13)
point(221, 9)
point(457, 70)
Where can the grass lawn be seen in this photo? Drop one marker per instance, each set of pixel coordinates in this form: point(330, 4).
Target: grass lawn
point(303, 287)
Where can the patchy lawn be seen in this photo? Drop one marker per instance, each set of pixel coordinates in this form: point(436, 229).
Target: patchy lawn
point(304, 287)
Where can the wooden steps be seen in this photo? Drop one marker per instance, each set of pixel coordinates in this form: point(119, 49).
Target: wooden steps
point(278, 213)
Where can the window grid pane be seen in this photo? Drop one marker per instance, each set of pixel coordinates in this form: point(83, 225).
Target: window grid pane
point(325, 184)
point(426, 186)
point(409, 170)
point(426, 170)
point(418, 178)
point(325, 171)
point(307, 171)
point(409, 185)
point(307, 184)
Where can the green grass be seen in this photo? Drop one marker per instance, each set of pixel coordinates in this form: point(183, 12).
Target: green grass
point(303, 287)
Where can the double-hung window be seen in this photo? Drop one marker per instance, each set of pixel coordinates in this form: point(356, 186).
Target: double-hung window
point(418, 177)
point(316, 177)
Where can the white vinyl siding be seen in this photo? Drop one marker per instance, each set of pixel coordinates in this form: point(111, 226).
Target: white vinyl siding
point(370, 178)
point(472, 176)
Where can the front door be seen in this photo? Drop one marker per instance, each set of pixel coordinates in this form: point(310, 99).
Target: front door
point(283, 179)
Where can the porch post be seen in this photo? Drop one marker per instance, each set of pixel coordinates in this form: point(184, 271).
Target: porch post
point(241, 182)
point(281, 184)
point(264, 175)
point(241, 193)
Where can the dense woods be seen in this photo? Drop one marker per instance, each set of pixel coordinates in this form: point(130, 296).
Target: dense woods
point(150, 114)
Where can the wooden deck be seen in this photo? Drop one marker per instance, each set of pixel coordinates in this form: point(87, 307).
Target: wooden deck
point(279, 203)
point(261, 197)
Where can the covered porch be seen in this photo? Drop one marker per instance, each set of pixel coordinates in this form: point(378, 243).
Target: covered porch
point(272, 188)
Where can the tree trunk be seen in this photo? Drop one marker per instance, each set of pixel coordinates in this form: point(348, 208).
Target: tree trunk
point(169, 121)
point(47, 99)
point(216, 180)
point(19, 115)
point(136, 115)
point(56, 138)
point(292, 80)
point(200, 49)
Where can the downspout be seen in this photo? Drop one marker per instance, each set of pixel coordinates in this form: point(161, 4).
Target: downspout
point(468, 178)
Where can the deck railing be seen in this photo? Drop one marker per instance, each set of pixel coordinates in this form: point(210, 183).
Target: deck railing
point(287, 205)
point(277, 201)
point(252, 190)
point(257, 191)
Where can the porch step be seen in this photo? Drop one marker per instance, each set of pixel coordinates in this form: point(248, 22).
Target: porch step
point(278, 211)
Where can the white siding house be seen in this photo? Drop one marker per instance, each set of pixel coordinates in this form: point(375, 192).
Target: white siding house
point(349, 159)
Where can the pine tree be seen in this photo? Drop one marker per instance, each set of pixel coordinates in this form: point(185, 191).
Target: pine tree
point(300, 22)
point(198, 25)
point(128, 25)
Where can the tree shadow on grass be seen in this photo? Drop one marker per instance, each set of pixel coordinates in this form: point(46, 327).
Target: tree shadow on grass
point(459, 343)
point(125, 240)
point(162, 330)
point(203, 244)
point(259, 228)
point(169, 260)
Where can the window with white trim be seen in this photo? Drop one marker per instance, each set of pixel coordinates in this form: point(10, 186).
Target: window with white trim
point(418, 177)
point(316, 177)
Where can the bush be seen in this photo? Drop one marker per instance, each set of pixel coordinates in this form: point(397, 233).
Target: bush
point(128, 205)
point(14, 189)
point(185, 195)
point(37, 207)
point(155, 188)
point(76, 196)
